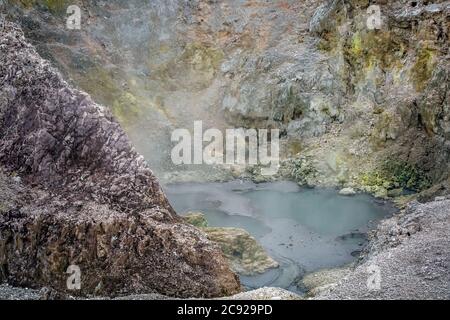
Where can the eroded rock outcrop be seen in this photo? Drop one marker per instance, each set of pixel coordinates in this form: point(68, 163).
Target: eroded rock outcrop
point(75, 192)
point(245, 254)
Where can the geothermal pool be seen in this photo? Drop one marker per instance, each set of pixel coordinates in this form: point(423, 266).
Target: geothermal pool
point(303, 229)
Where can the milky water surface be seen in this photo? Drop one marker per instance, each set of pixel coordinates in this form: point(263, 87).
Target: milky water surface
point(303, 229)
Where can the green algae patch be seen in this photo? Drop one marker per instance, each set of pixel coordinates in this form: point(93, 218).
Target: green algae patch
point(197, 219)
point(374, 179)
point(406, 175)
point(396, 175)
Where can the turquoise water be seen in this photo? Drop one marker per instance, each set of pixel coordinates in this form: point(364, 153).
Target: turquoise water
point(303, 229)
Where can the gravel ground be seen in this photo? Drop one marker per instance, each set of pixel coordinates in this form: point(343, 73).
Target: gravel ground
point(266, 293)
point(8, 292)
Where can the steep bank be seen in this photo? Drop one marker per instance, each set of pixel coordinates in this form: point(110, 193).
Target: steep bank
point(75, 192)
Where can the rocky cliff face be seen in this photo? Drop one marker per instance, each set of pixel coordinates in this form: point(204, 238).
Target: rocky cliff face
point(351, 102)
point(75, 192)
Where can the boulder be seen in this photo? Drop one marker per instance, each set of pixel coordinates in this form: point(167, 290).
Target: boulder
point(347, 192)
point(197, 219)
point(245, 254)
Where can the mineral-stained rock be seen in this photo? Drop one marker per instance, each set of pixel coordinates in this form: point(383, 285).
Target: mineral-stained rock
point(77, 193)
point(196, 219)
point(244, 253)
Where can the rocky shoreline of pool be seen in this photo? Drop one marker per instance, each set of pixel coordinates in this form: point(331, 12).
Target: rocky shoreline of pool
point(415, 241)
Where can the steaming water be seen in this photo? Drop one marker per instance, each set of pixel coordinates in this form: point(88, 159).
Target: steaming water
point(303, 229)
